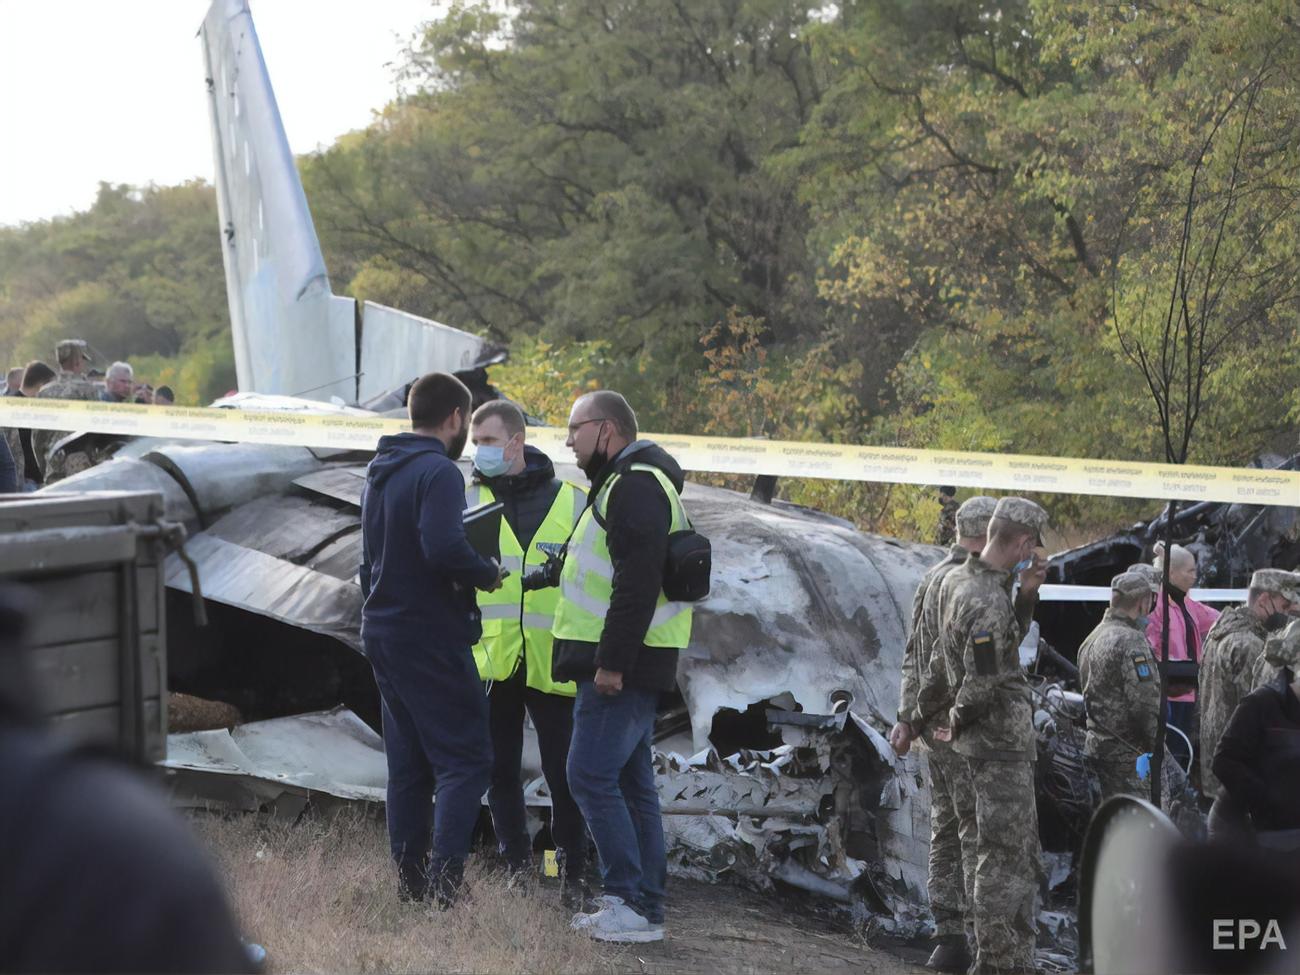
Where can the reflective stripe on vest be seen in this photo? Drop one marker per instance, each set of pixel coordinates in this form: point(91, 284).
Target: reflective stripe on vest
point(517, 625)
point(587, 582)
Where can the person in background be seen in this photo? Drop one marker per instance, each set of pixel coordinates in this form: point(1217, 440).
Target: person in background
point(1233, 650)
point(119, 383)
point(71, 384)
point(163, 396)
point(1189, 625)
point(951, 797)
point(13, 381)
point(990, 724)
point(1121, 686)
point(1258, 758)
point(419, 621)
point(35, 375)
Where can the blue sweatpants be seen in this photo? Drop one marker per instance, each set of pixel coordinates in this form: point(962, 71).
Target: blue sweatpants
point(436, 739)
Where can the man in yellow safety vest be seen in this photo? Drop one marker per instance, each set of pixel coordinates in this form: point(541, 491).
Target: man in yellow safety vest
point(619, 636)
point(514, 653)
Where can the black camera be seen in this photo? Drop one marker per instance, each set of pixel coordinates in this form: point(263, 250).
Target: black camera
point(547, 575)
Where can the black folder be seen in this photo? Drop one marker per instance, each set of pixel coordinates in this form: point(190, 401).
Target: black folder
point(483, 528)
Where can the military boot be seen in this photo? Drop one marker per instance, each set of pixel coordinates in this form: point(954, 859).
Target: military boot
point(950, 954)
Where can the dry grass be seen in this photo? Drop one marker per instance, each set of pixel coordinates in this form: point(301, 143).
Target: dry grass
point(321, 897)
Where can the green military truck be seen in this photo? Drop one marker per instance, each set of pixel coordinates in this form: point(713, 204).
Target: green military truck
point(92, 565)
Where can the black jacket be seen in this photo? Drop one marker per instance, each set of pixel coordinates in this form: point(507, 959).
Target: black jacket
point(418, 571)
point(1258, 758)
point(638, 519)
point(527, 496)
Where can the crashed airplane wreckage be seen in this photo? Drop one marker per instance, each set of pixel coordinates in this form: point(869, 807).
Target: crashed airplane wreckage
point(772, 761)
point(792, 672)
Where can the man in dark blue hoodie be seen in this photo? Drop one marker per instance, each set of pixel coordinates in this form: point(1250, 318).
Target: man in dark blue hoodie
point(418, 623)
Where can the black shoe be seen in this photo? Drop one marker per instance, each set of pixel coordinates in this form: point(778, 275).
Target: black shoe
point(950, 955)
point(445, 882)
point(412, 881)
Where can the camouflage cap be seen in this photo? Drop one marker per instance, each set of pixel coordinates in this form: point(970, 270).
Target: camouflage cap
point(1134, 584)
point(1023, 513)
point(65, 350)
point(974, 514)
point(1283, 649)
point(1285, 584)
point(1148, 571)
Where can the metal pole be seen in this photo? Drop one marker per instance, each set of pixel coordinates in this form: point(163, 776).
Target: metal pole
point(1158, 753)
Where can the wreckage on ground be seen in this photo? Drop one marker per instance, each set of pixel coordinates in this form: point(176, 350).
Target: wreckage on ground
point(772, 761)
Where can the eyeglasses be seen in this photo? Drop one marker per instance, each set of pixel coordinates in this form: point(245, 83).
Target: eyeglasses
point(575, 427)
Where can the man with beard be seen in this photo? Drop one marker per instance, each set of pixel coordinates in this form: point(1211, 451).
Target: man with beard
point(418, 624)
point(1233, 649)
point(619, 636)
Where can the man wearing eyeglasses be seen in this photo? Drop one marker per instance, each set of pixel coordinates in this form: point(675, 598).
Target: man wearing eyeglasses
point(618, 636)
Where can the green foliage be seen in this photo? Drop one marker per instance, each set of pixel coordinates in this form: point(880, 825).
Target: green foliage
point(138, 276)
point(926, 223)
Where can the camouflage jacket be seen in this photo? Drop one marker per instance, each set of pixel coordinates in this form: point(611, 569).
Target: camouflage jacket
point(1270, 662)
point(918, 653)
point(1233, 647)
point(991, 715)
point(1121, 689)
point(67, 385)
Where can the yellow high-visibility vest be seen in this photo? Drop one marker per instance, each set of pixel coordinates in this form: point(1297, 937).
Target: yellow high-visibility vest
point(517, 624)
point(587, 582)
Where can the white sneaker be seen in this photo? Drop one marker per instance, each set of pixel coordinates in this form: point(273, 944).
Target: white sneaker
point(615, 921)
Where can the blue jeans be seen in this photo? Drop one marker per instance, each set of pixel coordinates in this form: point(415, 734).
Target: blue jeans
point(436, 740)
point(613, 780)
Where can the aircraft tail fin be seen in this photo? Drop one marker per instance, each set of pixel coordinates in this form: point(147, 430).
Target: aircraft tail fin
point(292, 335)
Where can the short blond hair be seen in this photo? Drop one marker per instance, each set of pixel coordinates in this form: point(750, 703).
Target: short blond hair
point(511, 416)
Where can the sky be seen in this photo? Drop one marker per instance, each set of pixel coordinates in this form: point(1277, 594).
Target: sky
point(113, 90)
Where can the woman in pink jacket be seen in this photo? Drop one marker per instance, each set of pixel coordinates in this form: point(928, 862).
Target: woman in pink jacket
point(1189, 622)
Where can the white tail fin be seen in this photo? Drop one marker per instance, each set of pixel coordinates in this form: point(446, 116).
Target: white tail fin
point(292, 335)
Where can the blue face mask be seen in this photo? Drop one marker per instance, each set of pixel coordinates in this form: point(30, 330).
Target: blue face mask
point(1021, 566)
point(490, 461)
point(1143, 620)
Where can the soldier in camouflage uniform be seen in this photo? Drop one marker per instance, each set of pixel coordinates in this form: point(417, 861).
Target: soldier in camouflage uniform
point(69, 384)
point(950, 792)
point(1121, 686)
point(1281, 652)
point(1233, 649)
point(990, 724)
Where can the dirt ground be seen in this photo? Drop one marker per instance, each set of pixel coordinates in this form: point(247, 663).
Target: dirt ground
point(320, 896)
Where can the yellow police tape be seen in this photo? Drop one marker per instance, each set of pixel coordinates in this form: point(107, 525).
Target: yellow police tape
point(725, 455)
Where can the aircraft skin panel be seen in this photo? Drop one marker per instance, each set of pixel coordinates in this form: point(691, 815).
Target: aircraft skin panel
point(398, 344)
point(292, 336)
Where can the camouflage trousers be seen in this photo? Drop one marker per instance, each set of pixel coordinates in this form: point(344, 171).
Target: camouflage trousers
point(1002, 838)
point(951, 802)
point(1118, 777)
